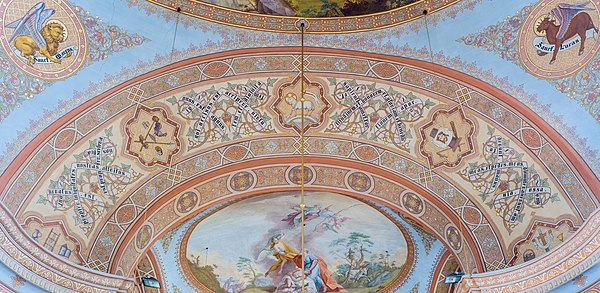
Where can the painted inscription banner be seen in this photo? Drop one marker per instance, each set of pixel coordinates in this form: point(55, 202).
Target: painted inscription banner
point(558, 38)
point(45, 39)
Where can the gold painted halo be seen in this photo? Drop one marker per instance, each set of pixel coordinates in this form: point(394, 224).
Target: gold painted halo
point(65, 31)
point(539, 20)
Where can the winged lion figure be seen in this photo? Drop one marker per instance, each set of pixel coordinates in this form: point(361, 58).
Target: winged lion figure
point(31, 35)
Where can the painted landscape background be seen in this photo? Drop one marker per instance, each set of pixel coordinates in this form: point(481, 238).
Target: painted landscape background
point(361, 247)
point(312, 8)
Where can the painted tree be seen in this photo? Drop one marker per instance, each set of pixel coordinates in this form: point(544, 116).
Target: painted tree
point(196, 260)
point(359, 7)
point(244, 265)
point(330, 9)
point(354, 250)
point(382, 259)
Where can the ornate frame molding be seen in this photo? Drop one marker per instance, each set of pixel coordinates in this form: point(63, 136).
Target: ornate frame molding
point(318, 25)
point(44, 269)
point(557, 267)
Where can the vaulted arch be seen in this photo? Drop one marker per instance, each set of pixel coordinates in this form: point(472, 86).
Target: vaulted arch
point(485, 168)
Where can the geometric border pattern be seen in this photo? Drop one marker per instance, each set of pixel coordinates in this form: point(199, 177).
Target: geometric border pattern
point(559, 266)
point(287, 24)
point(13, 181)
point(25, 257)
point(404, 273)
point(125, 257)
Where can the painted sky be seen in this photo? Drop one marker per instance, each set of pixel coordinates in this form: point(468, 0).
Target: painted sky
point(259, 218)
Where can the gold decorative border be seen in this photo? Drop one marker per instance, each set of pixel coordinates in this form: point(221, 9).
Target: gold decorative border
point(536, 69)
point(317, 25)
point(74, 66)
point(555, 268)
point(390, 287)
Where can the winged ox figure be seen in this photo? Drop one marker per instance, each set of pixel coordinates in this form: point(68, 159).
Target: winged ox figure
point(31, 35)
point(573, 20)
point(565, 13)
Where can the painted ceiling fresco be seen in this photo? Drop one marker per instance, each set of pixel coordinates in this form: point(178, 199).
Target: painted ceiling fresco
point(169, 131)
point(376, 252)
point(135, 137)
point(333, 8)
point(261, 247)
point(326, 16)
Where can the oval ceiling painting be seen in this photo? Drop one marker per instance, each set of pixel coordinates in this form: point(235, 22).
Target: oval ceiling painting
point(349, 246)
point(321, 16)
point(312, 8)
